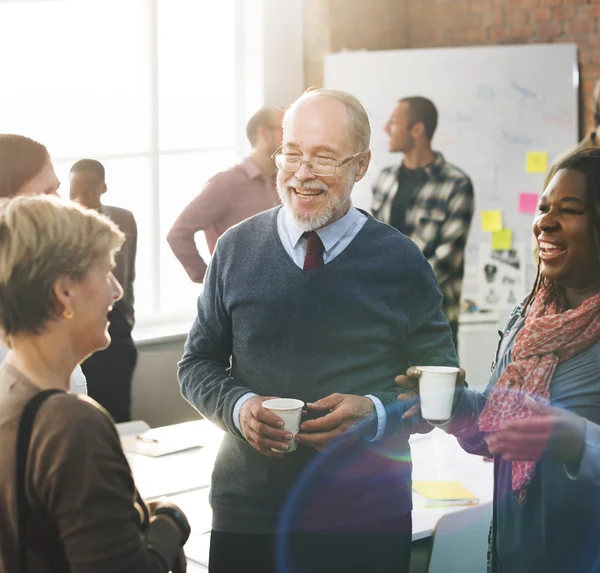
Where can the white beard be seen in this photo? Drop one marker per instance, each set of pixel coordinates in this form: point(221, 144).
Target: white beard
point(333, 203)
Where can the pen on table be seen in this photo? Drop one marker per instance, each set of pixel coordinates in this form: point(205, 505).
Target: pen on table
point(146, 439)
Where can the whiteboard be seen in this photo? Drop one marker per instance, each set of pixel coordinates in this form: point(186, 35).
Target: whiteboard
point(495, 104)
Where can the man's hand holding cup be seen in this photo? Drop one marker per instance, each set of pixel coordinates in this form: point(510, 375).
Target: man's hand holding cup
point(434, 388)
point(269, 424)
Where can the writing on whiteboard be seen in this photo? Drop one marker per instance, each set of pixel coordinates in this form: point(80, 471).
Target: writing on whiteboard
point(487, 93)
point(513, 139)
point(561, 118)
point(523, 91)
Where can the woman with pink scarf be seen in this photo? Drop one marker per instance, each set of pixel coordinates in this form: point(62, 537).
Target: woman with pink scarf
point(539, 415)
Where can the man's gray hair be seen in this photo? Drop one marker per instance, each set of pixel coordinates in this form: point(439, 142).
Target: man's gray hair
point(357, 116)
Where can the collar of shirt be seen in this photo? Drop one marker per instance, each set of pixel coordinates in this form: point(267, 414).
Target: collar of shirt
point(330, 235)
point(434, 169)
point(250, 168)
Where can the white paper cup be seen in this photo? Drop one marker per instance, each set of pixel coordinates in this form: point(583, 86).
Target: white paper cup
point(436, 390)
point(290, 411)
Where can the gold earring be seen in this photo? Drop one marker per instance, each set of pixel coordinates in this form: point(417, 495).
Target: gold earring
point(68, 314)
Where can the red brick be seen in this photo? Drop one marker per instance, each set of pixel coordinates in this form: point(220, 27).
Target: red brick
point(588, 12)
point(540, 15)
point(481, 6)
point(526, 33)
point(448, 37)
point(445, 20)
point(579, 27)
point(563, 13)
point(477, 36)
point(462, 7)
point(593, 56)
point(593, 40)
point(420, 31)
point(548, 30)
point(495, 18)
point(499, 34)
point(589, 75)
point(522, 4)
point(516, 17)
point(472, 21)
point(551, 2)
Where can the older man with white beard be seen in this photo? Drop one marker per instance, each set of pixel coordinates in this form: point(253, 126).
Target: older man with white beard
point(318, 301)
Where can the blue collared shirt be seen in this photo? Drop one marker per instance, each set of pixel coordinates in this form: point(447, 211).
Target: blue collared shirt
point(335, 238)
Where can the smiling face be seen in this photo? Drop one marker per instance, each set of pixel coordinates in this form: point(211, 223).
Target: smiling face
point(564, 233)
point(318, 129)
point(91, 300)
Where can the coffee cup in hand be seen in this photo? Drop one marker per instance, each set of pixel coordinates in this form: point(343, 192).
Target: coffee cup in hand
point(290, 412)
point(437, 385)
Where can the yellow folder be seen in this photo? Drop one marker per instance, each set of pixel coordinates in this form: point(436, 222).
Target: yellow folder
point(443, 493)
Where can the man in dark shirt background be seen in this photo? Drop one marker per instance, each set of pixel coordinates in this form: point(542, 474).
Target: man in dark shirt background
point(109, 373)
point(426, 198)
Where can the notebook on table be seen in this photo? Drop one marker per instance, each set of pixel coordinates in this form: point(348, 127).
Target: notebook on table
point(443, 493)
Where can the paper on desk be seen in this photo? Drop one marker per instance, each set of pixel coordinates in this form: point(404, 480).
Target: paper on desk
point(443, 493)
point(155, 444)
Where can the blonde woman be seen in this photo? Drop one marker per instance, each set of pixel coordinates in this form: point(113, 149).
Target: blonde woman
point(26, 169)
point(74, 507)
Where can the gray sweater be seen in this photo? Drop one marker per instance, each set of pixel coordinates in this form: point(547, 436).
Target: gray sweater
point(349, 326)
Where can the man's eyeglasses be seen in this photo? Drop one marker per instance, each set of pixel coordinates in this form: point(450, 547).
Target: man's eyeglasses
point(320, 166)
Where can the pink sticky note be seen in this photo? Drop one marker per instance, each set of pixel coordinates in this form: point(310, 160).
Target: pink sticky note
point(528, 202)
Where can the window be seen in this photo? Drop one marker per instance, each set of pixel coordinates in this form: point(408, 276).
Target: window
point(147, 87)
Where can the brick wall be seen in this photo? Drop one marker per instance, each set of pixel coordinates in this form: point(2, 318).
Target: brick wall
point(335, 25)
point(396, 24)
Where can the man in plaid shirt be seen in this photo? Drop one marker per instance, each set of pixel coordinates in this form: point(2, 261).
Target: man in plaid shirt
point(426, 198)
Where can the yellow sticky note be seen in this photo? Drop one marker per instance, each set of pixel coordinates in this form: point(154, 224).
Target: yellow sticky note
point(491, 221)
point(536, 162)
point(502, 240)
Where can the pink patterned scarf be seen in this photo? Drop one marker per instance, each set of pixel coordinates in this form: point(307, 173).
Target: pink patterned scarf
point(550, 335)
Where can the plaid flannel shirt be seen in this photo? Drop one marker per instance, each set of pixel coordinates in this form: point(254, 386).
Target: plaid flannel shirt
point(438, 222)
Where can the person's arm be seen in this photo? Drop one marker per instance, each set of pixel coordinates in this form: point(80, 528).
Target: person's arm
point(204, 210)
point(204, 370)
point(449, 254)
point(463, 424)
point(80, 477)
point(428, 340)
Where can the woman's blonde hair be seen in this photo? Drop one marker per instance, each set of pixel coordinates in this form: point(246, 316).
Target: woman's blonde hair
point(43, 238)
